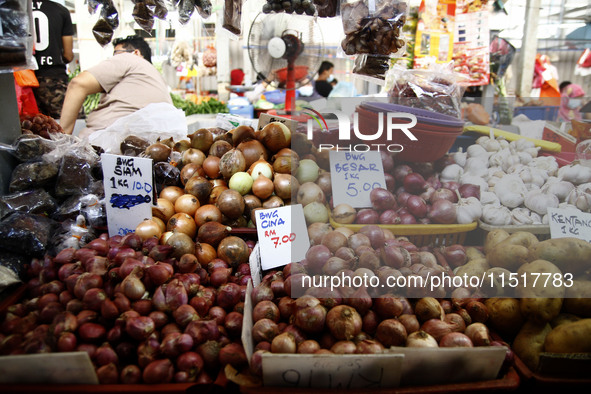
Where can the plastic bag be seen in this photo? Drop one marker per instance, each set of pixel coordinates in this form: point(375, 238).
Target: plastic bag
point(71, 234)
point(156, 120)
point(26, 78)
point(203, 8)
point(232, 16)
point(158, 8)
point(28, 147)
point(29, 176)
point(107, 23)
point(143, 15)
point(373, 26)
point(16, 44)
point(186, 8)
point(327, 8)
point(433, 90)
point(32, 201)
point(12, 268)
point(165, 174)
point(91, 206)
point(25, 233)
point(374, 66)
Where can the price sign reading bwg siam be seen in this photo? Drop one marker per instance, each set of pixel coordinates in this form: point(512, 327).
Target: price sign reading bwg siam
point(354, 175)
point(283, 235)
point(128, 191)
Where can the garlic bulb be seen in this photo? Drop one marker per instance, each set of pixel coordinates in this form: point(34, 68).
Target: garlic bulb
point(489, 198)
point(521, 216)
point(580, 198)
point(498, 158)
point(546, 219)
point(522, 144)
point(565, 205)
point(504, 144)
point(533, 152)
point(468, 210)
point(476, 166)
point(476, 150)
point(576, 174)
point(492, 181)
point(460, 158)
point(537, 219)
point(547, 163)
point(524, 158)
point(539, 202)
point(511, 191)
point(533, 176)
point(496, 216)
point(560, 189)
point(452, 172)
point(491, 145)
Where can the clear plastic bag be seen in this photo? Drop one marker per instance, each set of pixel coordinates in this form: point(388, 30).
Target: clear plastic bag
point(27, 176)
point(373, 26)
point(12, 268)
point(203, 8)
point(72, 233)
point(143, 15)
point(16, 44)
point(91, 206)
point(107, 23)
point(232, 16)
point(158, 8)
point(31, 201)
point(434, 90)
point(374, 66)
point(29, 147)
point(185, 9)
point(25, 233)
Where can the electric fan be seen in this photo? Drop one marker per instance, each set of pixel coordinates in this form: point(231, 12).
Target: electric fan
point(286, 50)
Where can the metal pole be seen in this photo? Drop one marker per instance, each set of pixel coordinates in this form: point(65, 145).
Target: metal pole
point(529, 48)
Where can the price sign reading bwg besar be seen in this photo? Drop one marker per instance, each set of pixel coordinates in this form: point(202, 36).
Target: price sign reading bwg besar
point(354, 175)
point(128, 191)
point(283, 235)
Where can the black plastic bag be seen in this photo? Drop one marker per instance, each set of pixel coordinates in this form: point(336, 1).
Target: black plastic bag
point(107, 23)
point(158, 8)
point(30, 201)
point(327, 8)
point(25, 233)
point(143, 15)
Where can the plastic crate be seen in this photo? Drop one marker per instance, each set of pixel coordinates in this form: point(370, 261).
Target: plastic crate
point(422, 234)
point(463, 141)
point(548, 112)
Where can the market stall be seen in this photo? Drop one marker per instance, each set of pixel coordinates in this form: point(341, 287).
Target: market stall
point(393, 242)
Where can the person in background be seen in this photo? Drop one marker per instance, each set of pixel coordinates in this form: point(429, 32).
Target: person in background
point(236, 79)
point(570, 103)
point(53, 50)
point(128, 81)
point(323, 83)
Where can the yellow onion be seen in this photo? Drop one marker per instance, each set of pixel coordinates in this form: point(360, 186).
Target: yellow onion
point(273, 202)
point(193, 156)
point(231, 163)
point(158, 152)
point(160, 223)
point(262, 187)
point(275, 136)
point(182, 223)
point(260, 167)
point(171, 193)
point(211, 166)
point(189, 170)
point(202, 139)
point(242, 133)
point(219, 148)
point(285, 185)
point(187, 203)
point(181, 146)
point(148, 229)
point(164, 209)
point(252, 150)
point(307, 171)
point(200, 188)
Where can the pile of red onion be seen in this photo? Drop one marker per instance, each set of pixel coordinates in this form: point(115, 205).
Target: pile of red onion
point(141, 315)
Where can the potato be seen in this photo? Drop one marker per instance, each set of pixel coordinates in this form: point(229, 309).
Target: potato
point(564, 318)
point(540, 310)
point(570, 338)
point(493, 238)
point(577, 298)
point(571, 255)
point(496, 282)
point(504, 316)
point(508, 256)
point(537, 280)
point(473, 253)
point(529, 343)
point(472, 268)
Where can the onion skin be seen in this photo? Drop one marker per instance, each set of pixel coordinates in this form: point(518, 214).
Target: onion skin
point(455, 339)
point(456, 321)
point(478, 334)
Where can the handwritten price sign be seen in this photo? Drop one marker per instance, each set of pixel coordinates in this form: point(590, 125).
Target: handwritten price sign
point(128, 191)
point(283, 235)
point(354, 175)
point(569, 223)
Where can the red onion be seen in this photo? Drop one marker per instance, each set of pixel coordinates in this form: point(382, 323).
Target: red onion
point(65, 256)
point(284, 343)
point(132, 286)
point(93, 299)
point(105, 355)
point(317, 256)
point(391, 332)
point(456, 321)
point(443, 212)
point(367, 216)
point(455, 255)
point(218, 314)
point(264, 330)
point(389, 217)
point(285, 306)
point(86, 281)
point(228, 295)
point(108, 374)
point(203, 330)
point(175, 344)
point(455, 339)
point(477, 311)
point(344, 347)
point(140, 328)
point(395, 256)
point(233, 324)
point(414, 183)
point(190, 362)
point(410, 323)
point(436, 328)
point(390, 182)
point(91, 332)
point(416, 206)
point(444, 194)
point(184, 315)
point(159, 371)
point(360, 300)
point(400, 172)
point(308, 346)
point(387, 306)
point(220, 276)
point(369, 346)
point(131, 374)
point(234, 355)
point(147, 352)
point(451, 185)
point(469, 190)
point(382, 199)
point(343, 322)
point(310, 318)
point(427, 194)
point(159, 273)
point(266, 309)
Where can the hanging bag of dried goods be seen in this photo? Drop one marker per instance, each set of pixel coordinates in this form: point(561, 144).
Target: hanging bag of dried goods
point(210, 57)
point(327, 8)
point(373, 26)
point(107, 22)
point(232, 16)
point(203, 8)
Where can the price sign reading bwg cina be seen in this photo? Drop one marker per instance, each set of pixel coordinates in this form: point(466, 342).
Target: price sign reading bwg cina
point(283, 235)
point(354, 175)
point(128, 191)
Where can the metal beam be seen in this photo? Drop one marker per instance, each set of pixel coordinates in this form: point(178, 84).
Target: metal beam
point(529, 48)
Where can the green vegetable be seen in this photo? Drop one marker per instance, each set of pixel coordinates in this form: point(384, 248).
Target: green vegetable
point(212, 106)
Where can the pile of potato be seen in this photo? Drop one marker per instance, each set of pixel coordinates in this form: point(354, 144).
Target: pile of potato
point(548, 316)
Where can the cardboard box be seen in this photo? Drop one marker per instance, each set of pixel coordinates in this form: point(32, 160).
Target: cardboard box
point(553, 134)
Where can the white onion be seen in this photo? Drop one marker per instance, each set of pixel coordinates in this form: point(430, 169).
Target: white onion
point(307, 171)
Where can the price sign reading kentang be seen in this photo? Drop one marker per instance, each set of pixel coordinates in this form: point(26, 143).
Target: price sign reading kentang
point(282, 234)
point(354, 175)
point(569, 223)
point(128, 191)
